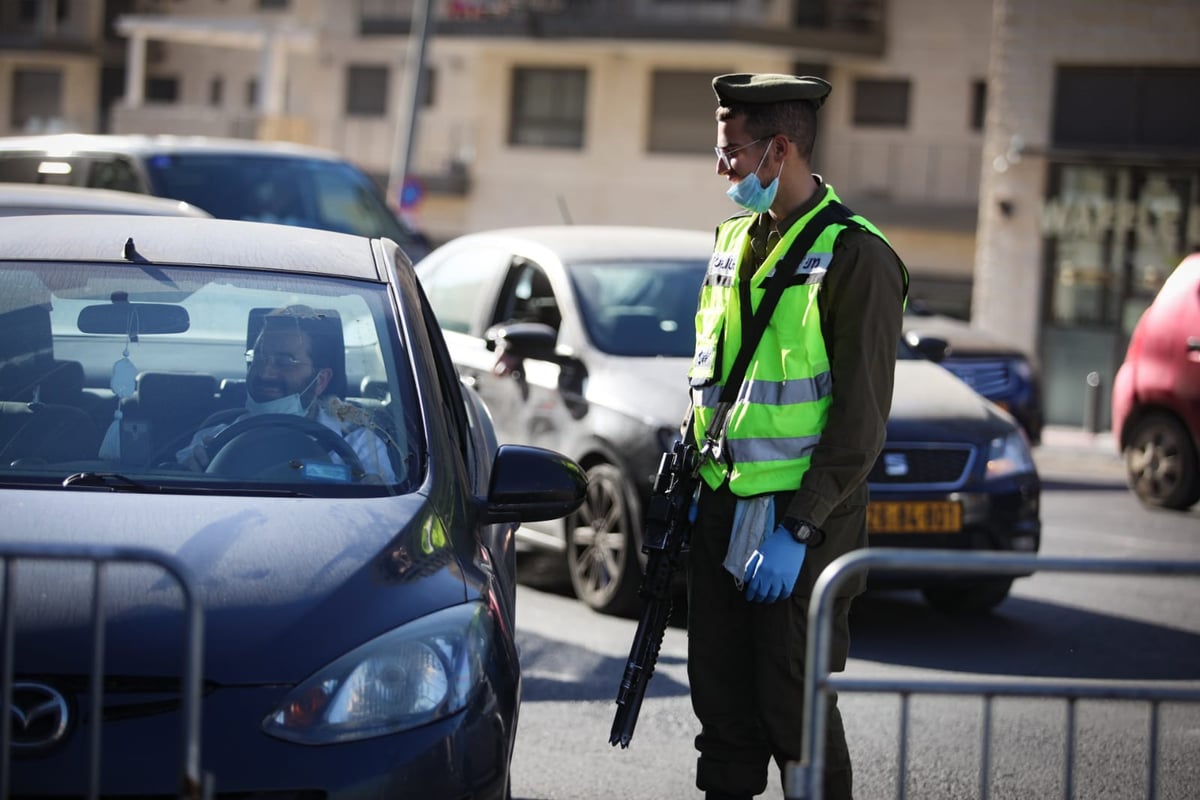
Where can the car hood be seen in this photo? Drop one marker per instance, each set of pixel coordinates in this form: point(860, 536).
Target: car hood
point(930, 403)
point(650, 389)
point(286, 585)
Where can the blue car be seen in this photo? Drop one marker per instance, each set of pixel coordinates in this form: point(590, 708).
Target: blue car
point(998, 370)
point(257, 536)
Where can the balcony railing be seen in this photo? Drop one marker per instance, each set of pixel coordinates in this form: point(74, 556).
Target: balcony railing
point(828, 25)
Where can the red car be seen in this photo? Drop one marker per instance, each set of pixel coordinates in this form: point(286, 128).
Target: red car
point(1156, 395)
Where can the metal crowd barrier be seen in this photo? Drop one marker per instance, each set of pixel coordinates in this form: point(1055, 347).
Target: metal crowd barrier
point(805, 780)
point(192, 786)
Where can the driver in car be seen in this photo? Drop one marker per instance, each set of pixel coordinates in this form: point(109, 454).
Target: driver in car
point(290, 371)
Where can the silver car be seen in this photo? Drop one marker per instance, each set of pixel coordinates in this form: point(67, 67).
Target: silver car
point(578, 338)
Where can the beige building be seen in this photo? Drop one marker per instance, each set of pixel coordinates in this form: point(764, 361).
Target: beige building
point(1091, 179)
point(598, 111)
point(947, 117)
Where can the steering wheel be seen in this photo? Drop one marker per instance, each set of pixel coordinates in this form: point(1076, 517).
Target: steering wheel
point(263, 433)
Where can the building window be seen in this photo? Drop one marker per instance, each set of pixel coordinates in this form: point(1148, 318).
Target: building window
point(678, 123)
point(1139, 109)
point(29, 11)
point(978, 104)
point(548, 107)
point(162, 90)
point(366, 90)
point(216, 92)
point(36, 99)
point(881, 103)
point(272, 4)
point(252, 93)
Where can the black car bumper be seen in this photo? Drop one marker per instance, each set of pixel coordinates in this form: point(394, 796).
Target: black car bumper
point(1007, 520)
point(464, 755)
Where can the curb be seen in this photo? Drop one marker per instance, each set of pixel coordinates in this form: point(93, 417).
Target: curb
point(1073, 453)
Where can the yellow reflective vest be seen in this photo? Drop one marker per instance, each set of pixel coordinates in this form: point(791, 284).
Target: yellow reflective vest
point(783, 403)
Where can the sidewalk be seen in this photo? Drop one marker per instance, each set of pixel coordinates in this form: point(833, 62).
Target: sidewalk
point(1068, 453)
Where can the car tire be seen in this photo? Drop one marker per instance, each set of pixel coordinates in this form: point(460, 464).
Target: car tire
point(1160, 463)
point(977, 597)
point(602, 552)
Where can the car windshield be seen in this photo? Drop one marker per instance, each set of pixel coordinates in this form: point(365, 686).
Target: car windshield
point(289, 383)
point(640, 308)
point(292, 190)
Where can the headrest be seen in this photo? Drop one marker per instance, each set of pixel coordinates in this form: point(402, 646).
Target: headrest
point(164, 391)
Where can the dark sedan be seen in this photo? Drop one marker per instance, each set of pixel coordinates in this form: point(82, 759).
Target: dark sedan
point(269, 417)
point(580, 337)
point(997, 369)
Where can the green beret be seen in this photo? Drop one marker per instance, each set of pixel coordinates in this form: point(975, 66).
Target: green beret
point(744, 87)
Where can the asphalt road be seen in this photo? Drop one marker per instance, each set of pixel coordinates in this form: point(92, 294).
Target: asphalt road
point(1080, 628)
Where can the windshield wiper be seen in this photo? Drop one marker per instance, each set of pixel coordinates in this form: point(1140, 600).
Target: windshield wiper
point(108, 480)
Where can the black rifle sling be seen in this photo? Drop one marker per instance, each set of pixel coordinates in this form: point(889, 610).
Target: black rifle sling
point(757, 325)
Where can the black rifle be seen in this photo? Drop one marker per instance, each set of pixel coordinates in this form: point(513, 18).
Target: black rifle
point(666, 540)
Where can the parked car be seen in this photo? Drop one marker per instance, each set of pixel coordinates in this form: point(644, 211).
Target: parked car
point(1156, 395)
point(357, 611)
point(580, 337)
point(229, 178)
point(997, 369)
point(18, 199)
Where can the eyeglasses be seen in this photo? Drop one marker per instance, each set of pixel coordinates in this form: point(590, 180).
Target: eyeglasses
point(723, 153)
point(284, 361)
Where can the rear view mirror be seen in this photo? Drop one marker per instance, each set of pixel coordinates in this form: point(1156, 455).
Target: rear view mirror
point(134, 318)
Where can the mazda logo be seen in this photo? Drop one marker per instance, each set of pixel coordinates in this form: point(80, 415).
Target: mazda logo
point(38, 715)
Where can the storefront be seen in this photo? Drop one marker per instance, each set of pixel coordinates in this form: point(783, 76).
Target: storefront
point(1112, 233)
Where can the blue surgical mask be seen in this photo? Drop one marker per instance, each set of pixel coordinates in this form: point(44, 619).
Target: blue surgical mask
point(288, 404)
point(750, 194)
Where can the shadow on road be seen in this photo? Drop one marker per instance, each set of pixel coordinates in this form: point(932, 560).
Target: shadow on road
point(1021, 637)
point(1083, 485)
point(555, 671)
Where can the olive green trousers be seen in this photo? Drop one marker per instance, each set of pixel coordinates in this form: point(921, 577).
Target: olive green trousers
point(746, 664)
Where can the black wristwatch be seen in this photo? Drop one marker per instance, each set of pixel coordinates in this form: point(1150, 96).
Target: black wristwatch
point(803, 531)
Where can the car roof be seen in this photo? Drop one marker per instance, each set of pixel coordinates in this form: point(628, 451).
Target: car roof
point(601, 242)
point(35, 198)
point(65, 144)
point(187, 240)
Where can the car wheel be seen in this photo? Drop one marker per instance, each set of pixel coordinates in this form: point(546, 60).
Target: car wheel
point(602, 556)
point(977, 597)
point(1160, 463)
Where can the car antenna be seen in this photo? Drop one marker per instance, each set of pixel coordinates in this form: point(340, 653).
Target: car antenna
point(130, 253)
point(564, 211)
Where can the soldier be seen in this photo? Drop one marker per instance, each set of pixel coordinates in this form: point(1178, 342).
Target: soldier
point(785, 492)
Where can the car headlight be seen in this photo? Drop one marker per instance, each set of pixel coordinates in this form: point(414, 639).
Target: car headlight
point(1023, 369)
point(410, 676)
point(1009, 455)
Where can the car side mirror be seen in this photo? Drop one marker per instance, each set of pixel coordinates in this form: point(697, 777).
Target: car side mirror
point(933, 348)
point(534, 340)
point(530, 484)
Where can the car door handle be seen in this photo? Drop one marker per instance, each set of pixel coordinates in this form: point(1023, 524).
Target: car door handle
point(1193, 343)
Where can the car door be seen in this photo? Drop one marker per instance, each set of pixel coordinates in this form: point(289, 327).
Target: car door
point(475, 287)
point(525, 394)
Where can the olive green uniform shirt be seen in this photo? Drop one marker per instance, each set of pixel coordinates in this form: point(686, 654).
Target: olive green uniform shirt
point(861, 301)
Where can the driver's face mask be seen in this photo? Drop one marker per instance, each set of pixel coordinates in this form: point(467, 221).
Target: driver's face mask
point(288, 404)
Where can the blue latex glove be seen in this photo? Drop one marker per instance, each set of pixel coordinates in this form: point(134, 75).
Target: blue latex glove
point(772, 570)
